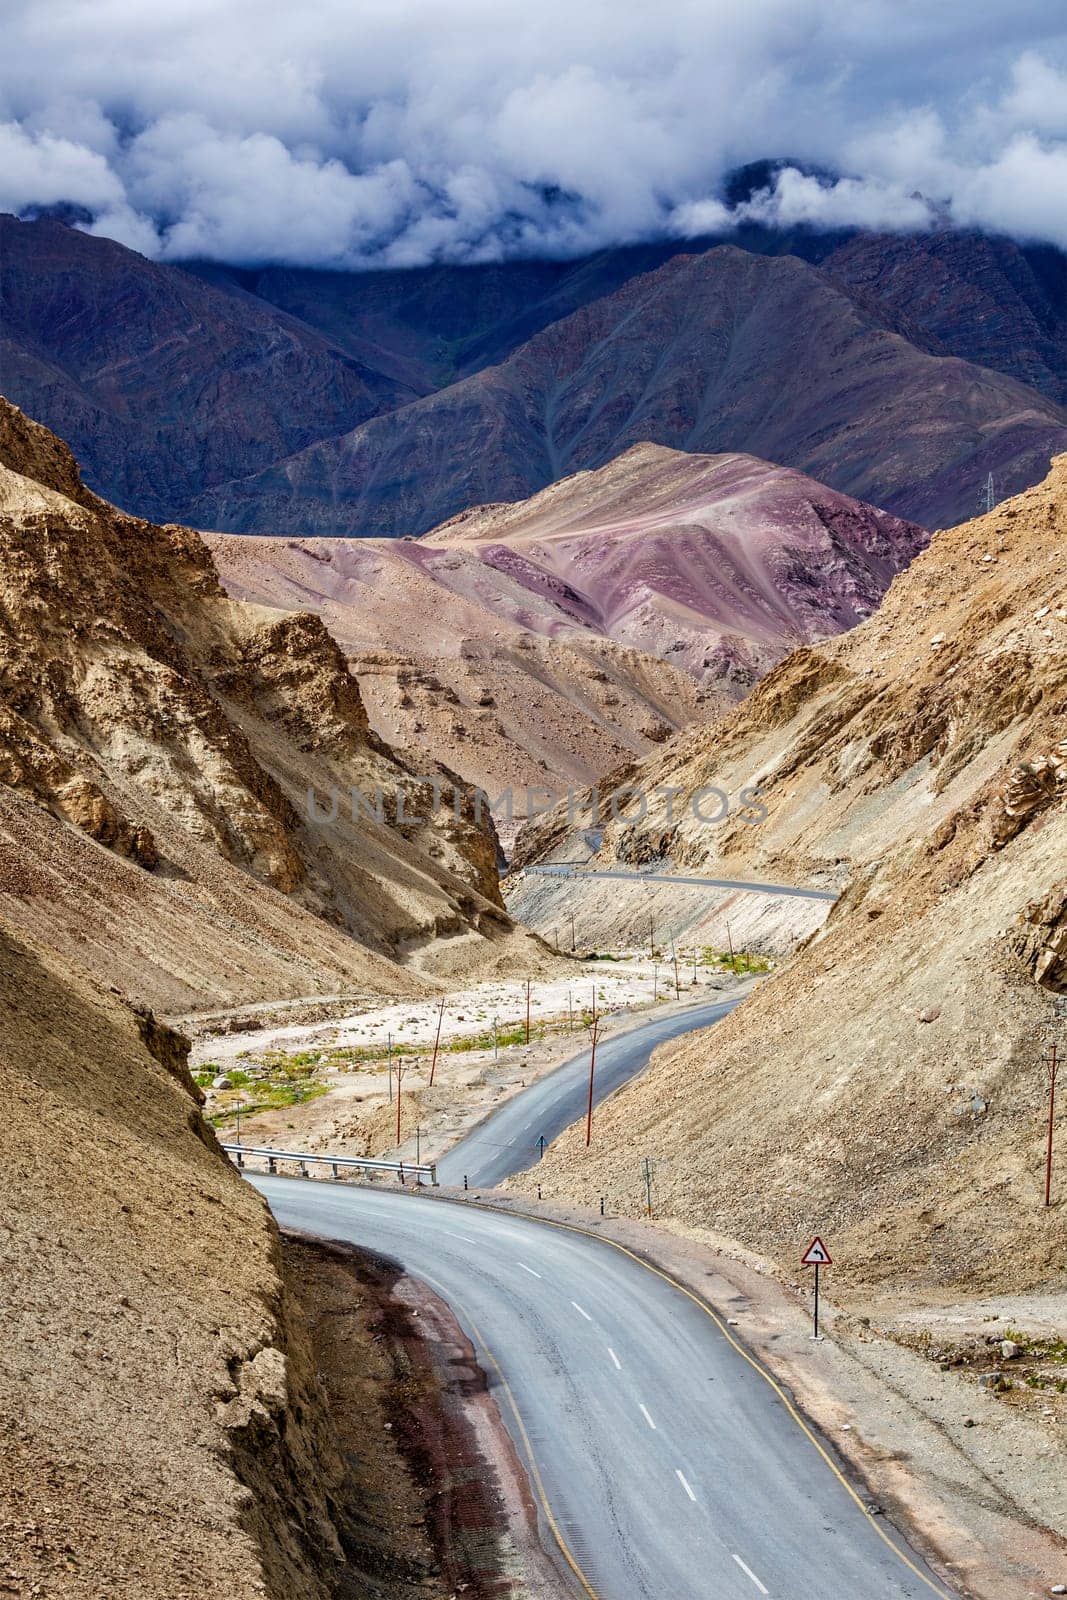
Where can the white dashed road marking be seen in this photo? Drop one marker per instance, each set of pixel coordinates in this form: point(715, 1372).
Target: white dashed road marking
point(750, 1574)
point(685, 1485)
point(645, 1413)
point(580, 1312)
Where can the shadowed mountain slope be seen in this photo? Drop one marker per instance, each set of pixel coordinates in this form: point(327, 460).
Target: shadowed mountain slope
point(719, 352)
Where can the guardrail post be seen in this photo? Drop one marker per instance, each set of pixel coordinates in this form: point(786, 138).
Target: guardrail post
point(272, 1165)
point(240, 1159)
point(335, 1171)
point(303, 1169)
point(433, 1174)
point(403, 1184)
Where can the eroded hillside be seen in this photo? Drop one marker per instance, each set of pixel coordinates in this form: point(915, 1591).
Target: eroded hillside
point(150, 1376)
point(157, 745)
point(887, 1087)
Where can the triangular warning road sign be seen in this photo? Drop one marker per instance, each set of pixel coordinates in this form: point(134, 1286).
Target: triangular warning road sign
point(816, 1255)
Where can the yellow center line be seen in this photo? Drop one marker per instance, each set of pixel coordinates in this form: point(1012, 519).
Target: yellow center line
point(535, 1471)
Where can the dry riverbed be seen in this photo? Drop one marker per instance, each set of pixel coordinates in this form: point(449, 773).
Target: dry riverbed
point(332, 1084)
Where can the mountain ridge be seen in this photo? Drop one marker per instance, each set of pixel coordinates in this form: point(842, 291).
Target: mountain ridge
point(720, 352)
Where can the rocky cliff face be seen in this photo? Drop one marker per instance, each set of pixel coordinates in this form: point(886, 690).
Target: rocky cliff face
point(157, 746)
point(720, 352)
point(549, 640)
point(887, 1088)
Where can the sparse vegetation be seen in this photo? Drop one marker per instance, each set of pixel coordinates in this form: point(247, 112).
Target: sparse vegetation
point(740, 961)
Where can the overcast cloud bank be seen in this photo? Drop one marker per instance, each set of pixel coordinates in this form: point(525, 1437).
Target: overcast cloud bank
point(400, 132)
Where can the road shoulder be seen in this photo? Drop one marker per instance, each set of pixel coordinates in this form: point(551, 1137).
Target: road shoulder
point(975, 1488)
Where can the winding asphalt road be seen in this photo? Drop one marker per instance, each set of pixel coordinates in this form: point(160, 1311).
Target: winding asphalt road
point(666, 1462)
point(508, 1140)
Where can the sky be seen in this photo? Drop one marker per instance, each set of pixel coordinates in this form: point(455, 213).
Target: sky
point(392, 133)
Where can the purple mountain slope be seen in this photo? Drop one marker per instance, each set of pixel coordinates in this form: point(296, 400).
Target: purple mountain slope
point(724, 351)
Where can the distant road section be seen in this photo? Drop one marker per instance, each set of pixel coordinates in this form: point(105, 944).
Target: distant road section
point(568, 869)
point(509, 1139)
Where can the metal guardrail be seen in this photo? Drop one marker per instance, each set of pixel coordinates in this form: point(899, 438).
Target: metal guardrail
point(403, 1169)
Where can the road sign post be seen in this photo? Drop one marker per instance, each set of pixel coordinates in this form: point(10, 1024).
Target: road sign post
point(816, 1255)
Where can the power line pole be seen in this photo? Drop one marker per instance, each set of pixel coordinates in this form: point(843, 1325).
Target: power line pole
point(1061, 1012)
point(527, 1011)
point(389, 1063)
point(730, 941)
point(592, 1069)
point(648, 1187)
point(1051, 1122)
point(437, 1041)
point(574, 944)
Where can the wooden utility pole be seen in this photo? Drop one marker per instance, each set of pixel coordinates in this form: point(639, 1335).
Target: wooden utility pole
point(651, 938)
point(677, 985)
point(648, 1187)
point(527, 1011)
point(730, 941)
point(399, 1074)
point(437, 1041)
point(592, 1069)
point(574, 944)
point(1051, 1123)
point(389, 1063)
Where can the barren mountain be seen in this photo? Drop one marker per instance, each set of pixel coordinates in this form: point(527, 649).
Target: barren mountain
point(158, 742)
point(518, 642)
point(989, 300)
point(719, 352)
point(174, 382)
point(162, 384)
point(887, 1088)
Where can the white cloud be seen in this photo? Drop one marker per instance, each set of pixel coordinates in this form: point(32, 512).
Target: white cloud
point(403, 131)
point(859, 202)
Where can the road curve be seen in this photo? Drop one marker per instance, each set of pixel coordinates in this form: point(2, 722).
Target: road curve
point(507, 1140)
point(567, 869)
point(666, 1463)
